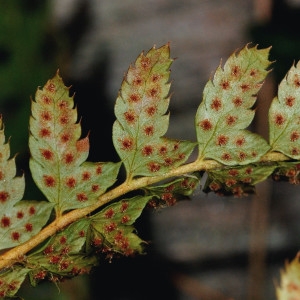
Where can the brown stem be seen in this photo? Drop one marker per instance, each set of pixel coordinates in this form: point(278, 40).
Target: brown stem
point(11, 256)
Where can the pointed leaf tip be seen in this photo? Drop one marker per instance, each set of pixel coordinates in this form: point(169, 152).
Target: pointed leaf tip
point(226, 109)
point(289, 287)
point(142, 119)
point(284, 115)
point(58, 153)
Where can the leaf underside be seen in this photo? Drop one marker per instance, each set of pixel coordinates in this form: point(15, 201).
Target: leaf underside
point(226, 110)
point(112, 229)
point(58, 163)
point(19, 220)
point(142, 119)
point(289, 287)
point(284, 115)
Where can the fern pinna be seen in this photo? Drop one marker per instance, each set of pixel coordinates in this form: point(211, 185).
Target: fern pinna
point(86, 216)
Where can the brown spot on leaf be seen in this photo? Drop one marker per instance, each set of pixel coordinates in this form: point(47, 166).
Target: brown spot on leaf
point(253, 72)
point(86, 175)
point(230, 182)
point(125, 219)
point(95, 187)
point(109, 213)
point(214, 186)
point(63, 240)
point(137, 81)
point(68, 158)
point(99, 170)
point(63, 104)
point(163, 150)
point(245, 87)
point(151, 110)
point(55, 259)
point(46, 116)
point(176, 146)
point(15, 235)
point(290, 101)
point(295, 151)
point(233, 172)
point(81, 197)
point(71, 182)
point(230, 120)
point(127, 144)
point(226, 156)
point(206, 124)
point(225, 84)
point(64, 265)
point(296, 81)
point(155, 77)
point(145, 62)
point(149, 130)
point(64, 119)
point(110, 227)
point(240, 141)
point(5, 221)
point(130, 117)
point(222, 140)
point(44, 132)
point(253, 153)
point(294, 136)
point(134, 97)
point(4, 196)
point(50, 86)
point(28, 227)
point(168, 161)
point(147, 150)
point(65, 137)
point(153, 92)
point(279, 119)
point(153, 167)
point(216, 104)
point(248, 170)
point(46, 100)
point(31, 210)
point(20, 214)
point(124, 206)
point(47, 154)
point(242, 156)
point(237, 101)
point(236, 71)
point(49, 181)
point(48, 250)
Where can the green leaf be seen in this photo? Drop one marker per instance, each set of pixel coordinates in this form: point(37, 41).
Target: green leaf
point(288, 171)
point(58, 163)
point(289, 287)
point(19, 220)
point(23, 221)
point(284, 115)
point(113, 230)
point(239, 180)
point(11, 280)
point(226, 110)
point(169, 193)
point(63, 255)
point(141, 109)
